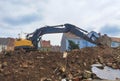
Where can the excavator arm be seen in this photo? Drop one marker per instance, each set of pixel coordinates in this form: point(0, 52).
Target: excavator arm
point(35, 37)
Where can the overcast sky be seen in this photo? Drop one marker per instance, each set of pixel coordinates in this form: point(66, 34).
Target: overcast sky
point(26, 16)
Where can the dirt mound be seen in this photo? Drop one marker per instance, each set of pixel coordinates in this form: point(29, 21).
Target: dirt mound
point(35, 65)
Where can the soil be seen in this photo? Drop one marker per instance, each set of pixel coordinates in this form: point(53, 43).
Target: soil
point(51, 66)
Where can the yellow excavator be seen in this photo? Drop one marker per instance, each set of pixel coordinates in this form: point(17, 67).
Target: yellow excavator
point(32, 39)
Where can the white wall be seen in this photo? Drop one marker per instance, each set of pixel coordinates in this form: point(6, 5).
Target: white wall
point(82, 43)
point(115, 44)
point(3, 47)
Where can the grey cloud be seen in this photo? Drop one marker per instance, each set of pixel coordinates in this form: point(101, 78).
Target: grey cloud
point(110, 30)
point(22, 20)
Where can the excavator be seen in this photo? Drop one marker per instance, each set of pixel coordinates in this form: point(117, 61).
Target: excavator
point(92, 37)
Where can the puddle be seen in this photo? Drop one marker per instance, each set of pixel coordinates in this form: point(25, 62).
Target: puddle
point(106, 72)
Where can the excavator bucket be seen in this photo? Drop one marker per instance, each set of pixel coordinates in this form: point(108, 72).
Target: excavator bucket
point(104, 40)
point(100, 40)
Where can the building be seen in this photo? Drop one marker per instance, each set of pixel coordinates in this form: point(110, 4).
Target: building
point(6, 44)
point(77, 40)
point(45, 45)
point(115, 42)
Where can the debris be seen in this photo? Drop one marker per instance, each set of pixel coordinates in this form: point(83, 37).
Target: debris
point(34, 65)
point(0, 65)
point(24, 65)
point(4, 64)
point(65, 55)
point(87, 74)
point(45, 79)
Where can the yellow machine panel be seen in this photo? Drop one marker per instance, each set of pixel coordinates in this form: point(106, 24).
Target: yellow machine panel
point(23, 42)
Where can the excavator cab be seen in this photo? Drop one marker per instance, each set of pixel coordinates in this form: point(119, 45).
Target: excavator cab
point(93, 35)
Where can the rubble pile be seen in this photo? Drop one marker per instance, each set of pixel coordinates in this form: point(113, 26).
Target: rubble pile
point(52, 66)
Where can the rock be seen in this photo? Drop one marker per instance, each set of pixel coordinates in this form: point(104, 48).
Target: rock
point(84, 64)
point(114, 66)
point(1, 70)
point(5, 64)
point(77, 78)
point(45, 79)
point(109, 64)
point(0, 65)
point(118, 58)
point(24, 65)
point(100, 59)
point(63, 80)
point(87, 74)
point(70, 76)
point(65, 54)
